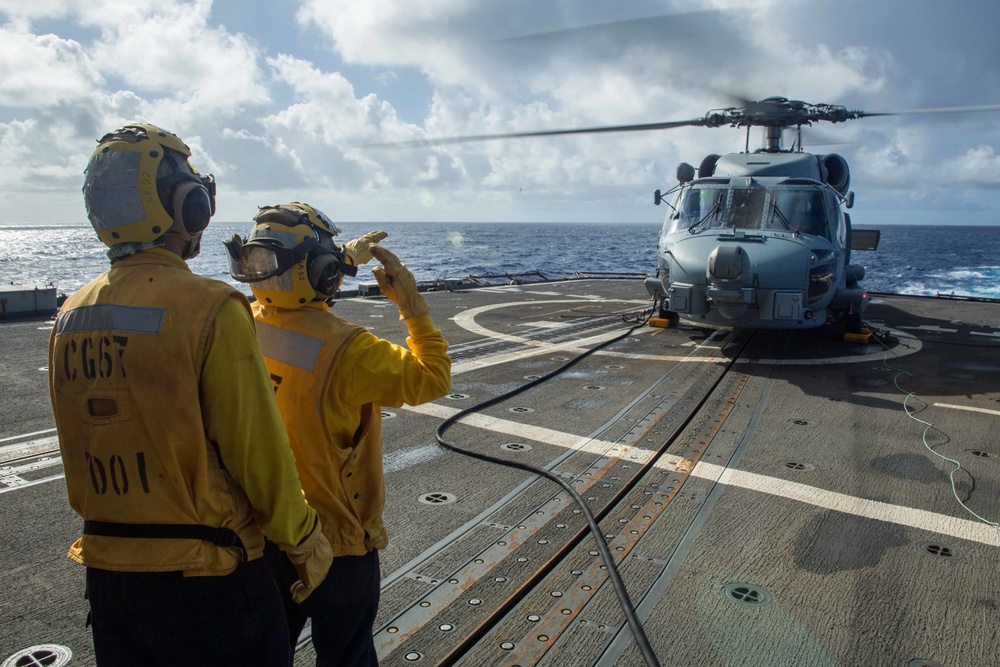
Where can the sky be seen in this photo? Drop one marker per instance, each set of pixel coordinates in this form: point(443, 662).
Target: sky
point(279, 99)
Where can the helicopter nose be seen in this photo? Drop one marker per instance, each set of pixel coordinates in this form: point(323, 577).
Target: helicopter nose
point(728, 274)
point(726, 262)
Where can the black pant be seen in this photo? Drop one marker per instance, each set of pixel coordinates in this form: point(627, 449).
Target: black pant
point(166, 619)
point(342, 608)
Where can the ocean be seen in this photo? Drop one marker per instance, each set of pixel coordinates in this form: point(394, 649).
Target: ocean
point(920, 260)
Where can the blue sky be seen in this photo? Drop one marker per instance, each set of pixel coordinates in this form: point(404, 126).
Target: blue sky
point(275, 98)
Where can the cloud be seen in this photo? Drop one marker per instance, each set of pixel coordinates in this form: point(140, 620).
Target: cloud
point(43, 70)
point(279, 110)
point(169, 49)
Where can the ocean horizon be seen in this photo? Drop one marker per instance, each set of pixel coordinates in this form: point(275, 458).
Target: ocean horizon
point(911, 259)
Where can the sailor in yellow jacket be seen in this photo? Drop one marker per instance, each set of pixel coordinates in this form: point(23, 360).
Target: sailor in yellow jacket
point(330, 378)
point(173, 446)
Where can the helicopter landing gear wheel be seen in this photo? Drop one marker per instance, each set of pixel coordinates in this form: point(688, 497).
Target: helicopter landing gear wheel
point(855, 330)
point(668, 315)
point(853, 323)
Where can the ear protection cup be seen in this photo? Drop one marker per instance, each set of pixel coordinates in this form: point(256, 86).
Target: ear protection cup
point(325, 275)
point(191, 202)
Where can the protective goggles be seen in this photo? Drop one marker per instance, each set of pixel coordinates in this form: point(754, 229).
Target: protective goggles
point(262, 257)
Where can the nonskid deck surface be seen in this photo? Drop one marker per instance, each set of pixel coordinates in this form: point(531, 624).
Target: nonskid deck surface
point(769, 496)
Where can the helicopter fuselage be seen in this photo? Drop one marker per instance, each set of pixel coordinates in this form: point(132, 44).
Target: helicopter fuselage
point(762, 242)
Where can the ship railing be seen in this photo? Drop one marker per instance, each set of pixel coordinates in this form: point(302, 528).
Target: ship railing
point(495, 280)
point(613, 275)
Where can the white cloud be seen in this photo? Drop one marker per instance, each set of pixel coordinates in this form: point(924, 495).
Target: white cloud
point(276, 110)
point(979, 165)
point(43, 70)
point(169, 49)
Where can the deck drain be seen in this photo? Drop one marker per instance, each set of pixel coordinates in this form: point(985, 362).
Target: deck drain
point(798, 465)
point(800, 422)
point(43, 655)
point(532, 377)
point(386, 414)
point(520, 409)
point(614, 367)
point(939, 550)
point(560, 358)
point(507, 646)
point(594, 387)
point(437, 498)
point(413, 656)
point(747, 594)
point(980, 453)
point(921, 662)
point(515, 447)
point(457, 397)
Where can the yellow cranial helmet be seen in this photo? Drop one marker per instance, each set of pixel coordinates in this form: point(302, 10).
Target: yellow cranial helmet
point(289, 258)
point(140, 185)
point(306, 214)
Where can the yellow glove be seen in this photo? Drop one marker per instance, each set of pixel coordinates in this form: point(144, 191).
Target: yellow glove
point(359, 250)
point(311, 558)
point(398, 284)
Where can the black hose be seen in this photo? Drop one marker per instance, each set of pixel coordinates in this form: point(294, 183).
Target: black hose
point(616, 581)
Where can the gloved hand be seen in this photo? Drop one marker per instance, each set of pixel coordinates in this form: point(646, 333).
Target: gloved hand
point(312, 559)
point(398, 284)
point(359, 250)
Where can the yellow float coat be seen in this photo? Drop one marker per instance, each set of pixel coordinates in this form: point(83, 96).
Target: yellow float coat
point(330, 378)
point(165, 416)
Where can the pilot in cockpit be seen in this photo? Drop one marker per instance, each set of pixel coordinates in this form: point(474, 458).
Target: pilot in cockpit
point(806, 214)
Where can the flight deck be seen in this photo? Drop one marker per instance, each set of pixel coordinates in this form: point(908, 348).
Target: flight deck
point(770, 497)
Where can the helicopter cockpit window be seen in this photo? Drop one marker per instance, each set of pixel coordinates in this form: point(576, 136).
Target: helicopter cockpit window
point(698, 205)
point(746, 208)
point(800, 210)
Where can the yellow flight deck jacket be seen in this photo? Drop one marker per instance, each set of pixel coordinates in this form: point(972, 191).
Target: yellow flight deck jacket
point(174, 450)
point(330, 378)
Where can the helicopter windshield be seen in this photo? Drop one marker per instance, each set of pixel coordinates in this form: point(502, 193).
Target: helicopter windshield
point(696, 205)
point(801, 210)
point(746, 208)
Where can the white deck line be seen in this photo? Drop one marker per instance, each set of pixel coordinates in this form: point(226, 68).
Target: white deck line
point(27, 435)
point(905, 516)
point(967, 408)
point(965, 529)
point(536, 433)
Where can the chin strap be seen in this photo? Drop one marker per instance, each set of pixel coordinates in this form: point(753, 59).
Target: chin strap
point(122, 250)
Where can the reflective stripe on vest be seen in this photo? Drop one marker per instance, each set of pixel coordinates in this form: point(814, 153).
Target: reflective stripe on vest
point(109, 317)
point(289, 347)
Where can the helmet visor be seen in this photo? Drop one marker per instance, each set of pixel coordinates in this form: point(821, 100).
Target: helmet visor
point(259, 259)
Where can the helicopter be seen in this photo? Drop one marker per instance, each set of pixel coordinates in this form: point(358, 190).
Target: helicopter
point(761, 239)
point(755, 240)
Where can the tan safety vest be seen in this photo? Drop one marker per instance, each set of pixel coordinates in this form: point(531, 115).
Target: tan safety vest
point(125, 368)
point(343, 481)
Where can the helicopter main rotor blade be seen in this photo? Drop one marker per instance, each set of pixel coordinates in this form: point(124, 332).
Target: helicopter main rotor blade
point(982, 107)
point(418, 143)
point(662, 26)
